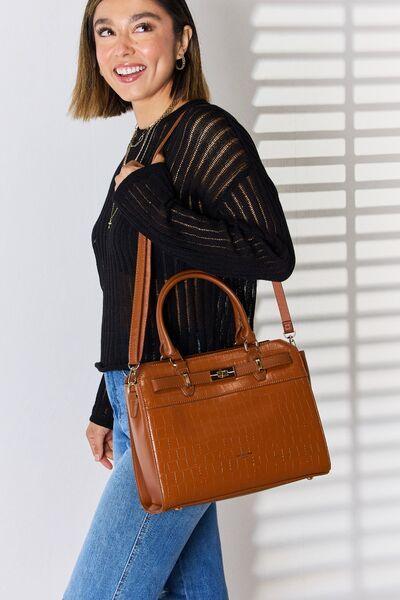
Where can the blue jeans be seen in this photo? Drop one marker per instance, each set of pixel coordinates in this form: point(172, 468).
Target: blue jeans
point(129, 553)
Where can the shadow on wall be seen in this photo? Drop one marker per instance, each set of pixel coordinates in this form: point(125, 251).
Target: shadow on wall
point(326, 98)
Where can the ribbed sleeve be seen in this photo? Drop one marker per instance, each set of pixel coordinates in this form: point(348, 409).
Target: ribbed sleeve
point(211, 206)
point(102, 413)
point(247, 237)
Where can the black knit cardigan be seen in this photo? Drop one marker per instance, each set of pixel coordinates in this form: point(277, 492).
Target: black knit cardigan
point(212, 206)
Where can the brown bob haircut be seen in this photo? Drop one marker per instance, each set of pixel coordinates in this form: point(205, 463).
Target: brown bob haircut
point(92, 96)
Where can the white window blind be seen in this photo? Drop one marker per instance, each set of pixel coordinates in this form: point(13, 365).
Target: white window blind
point(326, 83)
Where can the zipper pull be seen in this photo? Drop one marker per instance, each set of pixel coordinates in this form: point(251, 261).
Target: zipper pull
point(129, 385)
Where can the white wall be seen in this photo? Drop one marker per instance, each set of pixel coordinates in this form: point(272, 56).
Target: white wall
point(317, 84)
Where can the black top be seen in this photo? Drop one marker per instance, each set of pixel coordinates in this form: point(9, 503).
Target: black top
point(211, 206)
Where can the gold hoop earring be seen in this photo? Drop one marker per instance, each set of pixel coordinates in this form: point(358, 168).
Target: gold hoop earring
point(182, 65)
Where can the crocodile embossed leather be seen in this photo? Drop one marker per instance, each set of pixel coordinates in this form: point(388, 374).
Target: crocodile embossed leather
point(218, 424)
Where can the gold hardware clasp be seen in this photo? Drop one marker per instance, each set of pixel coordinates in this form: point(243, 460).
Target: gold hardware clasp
point(186, 377)
point(133, 383)
point(290, 337)
point(259, 364)
point(246, 346)
point(133, 369)
point(222, 373)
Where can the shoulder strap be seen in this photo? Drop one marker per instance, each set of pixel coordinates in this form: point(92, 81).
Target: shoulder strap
point(141, 289)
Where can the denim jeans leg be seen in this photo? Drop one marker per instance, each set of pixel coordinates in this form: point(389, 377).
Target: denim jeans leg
point(199, 570)
point(129, 553)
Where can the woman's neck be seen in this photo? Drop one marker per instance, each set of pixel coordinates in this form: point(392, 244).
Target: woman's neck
point(148, 111)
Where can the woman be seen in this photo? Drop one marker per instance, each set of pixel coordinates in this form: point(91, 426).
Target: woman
point(206, 202)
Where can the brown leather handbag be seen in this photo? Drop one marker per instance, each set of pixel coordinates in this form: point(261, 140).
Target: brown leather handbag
point(218, 424)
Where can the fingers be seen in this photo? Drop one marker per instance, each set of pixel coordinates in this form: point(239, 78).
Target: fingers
point(109, 440)
point(107, 451)
point(108, 446)
point(129, 167)
point(99, 439)
point(159, 158)
point(106, 463)
point(134, 163)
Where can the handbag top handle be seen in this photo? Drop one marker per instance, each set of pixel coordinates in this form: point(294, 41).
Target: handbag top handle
point(141, 291)
point(243, 331)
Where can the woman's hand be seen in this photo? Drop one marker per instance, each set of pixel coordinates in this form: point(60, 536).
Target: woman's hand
point(133, 165)
point(101, 443)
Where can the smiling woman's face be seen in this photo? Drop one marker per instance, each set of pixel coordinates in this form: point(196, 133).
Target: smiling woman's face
point(127, 34)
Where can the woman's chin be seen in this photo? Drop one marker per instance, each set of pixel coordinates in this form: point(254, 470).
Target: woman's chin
point(128, 97)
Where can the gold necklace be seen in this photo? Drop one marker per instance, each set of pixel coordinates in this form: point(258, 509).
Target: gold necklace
point(145, 134)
